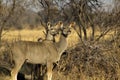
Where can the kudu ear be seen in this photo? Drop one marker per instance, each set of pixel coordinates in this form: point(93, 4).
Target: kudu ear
point(72, 24)
point(49, 25)
point(60, 24)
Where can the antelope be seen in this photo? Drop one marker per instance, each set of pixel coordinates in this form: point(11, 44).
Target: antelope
point(50, 35)
point(51, 31)
point(45, 52)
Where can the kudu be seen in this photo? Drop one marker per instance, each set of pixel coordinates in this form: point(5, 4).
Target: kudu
point(32, 71)
point(45, 52)
point(51, 31)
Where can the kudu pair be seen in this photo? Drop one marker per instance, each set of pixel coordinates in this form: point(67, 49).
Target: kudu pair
point(45, 52)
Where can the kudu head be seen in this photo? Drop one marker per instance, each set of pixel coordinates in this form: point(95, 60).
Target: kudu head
point(66, 30)
point(51, 30)
point(50, 34)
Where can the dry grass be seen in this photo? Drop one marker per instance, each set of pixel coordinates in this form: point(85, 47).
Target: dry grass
point(33, 35)
point(5, 78)
point(30, 35)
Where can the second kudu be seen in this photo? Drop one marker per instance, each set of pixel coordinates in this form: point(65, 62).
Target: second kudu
point(45, 52)
point(49, 35)
point(51, 31)
point(34, 71)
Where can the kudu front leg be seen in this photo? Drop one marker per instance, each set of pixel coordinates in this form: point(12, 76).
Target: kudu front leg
point(15, 70)
point(49, 71)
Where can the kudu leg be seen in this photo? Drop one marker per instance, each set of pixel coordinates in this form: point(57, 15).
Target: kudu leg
point(49, 71)
point(15, 70)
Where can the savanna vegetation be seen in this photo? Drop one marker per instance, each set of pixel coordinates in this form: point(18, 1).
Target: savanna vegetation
point(93, 51)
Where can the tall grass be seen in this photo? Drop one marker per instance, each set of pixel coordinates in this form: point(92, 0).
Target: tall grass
point(33, 35)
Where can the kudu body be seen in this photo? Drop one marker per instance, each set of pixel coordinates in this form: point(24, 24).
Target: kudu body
point(34, 69)
point(46, 52)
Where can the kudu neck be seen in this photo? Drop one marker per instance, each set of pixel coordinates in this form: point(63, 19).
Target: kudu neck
point(62, 44)
point(49, 37)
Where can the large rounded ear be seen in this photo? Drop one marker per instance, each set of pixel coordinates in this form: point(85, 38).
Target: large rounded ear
point(61, 24)
point(72, 24)
point(48, 25)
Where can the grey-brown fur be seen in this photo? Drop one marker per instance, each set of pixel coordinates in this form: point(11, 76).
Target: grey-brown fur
point(46, 52)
